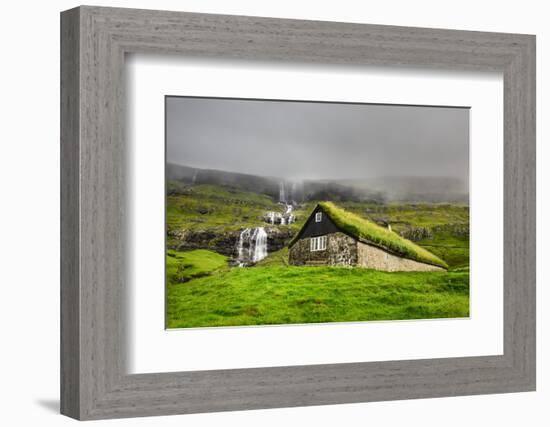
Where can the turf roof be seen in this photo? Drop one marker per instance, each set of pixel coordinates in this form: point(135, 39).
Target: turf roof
point(368, 232)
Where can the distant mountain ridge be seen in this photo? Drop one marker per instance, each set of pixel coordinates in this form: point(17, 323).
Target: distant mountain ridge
point(415, 188)
point(245, 182)
point(381, 189)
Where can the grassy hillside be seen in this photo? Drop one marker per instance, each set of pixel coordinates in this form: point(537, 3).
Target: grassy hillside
point(184, 266)
point(419, 214)
point(283, 295)
point(455, 250)
point(217, 208)
point(278, 258)
point(214, 207)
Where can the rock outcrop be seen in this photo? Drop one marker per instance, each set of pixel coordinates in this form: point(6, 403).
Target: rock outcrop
point(225, 243)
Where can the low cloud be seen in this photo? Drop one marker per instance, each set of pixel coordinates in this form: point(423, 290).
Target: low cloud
point(303, 140)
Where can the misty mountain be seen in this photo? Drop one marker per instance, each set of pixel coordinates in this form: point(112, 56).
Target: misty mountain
point(415, 188)
point(241, 181)
point(381, 189)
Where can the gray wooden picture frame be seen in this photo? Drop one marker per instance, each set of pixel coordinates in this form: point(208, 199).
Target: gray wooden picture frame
point(94, 382)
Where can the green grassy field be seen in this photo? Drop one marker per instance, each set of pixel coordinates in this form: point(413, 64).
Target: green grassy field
point(187, 265)
point(265, 295)
point(216, 208)
point(203, 290)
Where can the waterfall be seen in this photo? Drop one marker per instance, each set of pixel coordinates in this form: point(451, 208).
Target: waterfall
point(252, 246)
point(287, 200)
point(277, 218)
point(289, 217)
point(260, 246)
point(245, 235)
point(194, 180)
point(282, 193)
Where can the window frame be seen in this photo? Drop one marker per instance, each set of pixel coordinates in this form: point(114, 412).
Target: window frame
point(318, 243)
point(318, 216)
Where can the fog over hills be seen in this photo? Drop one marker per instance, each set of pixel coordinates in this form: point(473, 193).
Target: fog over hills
point(380, 189)
point(321, 150)
point(303, 140)
point(415, 188)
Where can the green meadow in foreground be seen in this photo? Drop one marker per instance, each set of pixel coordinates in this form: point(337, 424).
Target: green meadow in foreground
point(184, 266)
point(275, 294)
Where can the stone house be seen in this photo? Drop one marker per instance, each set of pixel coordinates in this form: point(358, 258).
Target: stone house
point(333, 236)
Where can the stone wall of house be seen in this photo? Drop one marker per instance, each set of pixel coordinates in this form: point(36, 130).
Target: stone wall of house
point(372, 257)
point(341, 250)
point(300, 254)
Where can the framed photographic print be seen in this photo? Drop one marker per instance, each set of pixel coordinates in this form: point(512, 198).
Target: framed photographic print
point(262, 213)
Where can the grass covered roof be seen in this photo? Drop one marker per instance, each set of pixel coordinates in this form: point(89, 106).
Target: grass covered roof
point(368, 232)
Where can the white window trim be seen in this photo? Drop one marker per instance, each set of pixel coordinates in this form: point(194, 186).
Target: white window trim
point(318, 243)
point(318, 216)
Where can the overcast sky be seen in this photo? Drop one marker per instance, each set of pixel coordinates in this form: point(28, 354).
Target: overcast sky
point(304, 140)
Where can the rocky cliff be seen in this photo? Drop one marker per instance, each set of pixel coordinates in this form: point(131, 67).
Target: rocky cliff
point(226, 243)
